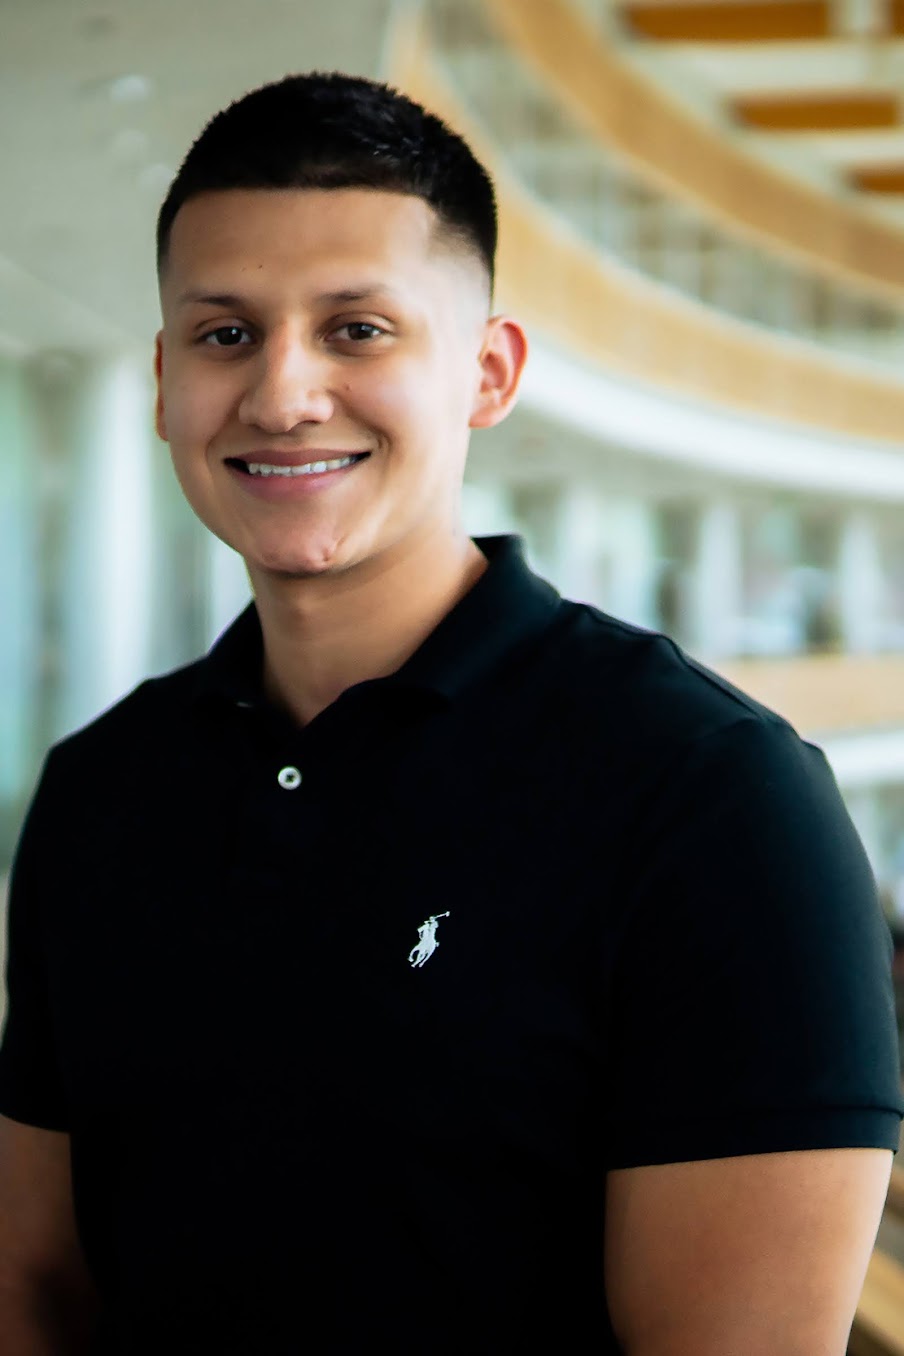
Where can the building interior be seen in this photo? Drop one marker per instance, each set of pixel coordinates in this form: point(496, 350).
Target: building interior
point(702, 228)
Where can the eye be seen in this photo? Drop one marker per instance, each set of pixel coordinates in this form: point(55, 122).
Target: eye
point(226, 336)
point(358, 330)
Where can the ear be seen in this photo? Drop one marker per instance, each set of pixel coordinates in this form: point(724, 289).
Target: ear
point(159, 416)
point(502, 360)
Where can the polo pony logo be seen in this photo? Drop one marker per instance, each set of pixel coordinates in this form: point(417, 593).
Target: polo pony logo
point(426, 940)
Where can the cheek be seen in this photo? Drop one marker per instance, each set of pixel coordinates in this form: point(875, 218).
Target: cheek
point(195, 410)
point(420, 404)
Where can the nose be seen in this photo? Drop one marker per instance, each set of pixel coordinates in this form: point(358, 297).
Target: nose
point(288, 386)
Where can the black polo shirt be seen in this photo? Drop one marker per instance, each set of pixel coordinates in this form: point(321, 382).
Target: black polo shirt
point(347, 1023)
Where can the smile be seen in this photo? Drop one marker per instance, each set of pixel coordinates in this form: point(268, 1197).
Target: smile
point(312, 468)
point(269, 480)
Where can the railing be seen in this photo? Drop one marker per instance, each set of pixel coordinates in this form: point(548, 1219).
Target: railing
point(630, 218)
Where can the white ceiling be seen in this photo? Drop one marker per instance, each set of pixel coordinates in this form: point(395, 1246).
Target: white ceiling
point(99, 101)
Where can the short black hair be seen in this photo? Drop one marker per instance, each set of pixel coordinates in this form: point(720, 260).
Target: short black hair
point(329, 130)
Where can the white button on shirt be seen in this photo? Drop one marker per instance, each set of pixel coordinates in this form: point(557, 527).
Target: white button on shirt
point(289, 778)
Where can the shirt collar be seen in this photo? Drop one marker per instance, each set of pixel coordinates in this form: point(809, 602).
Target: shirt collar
point(499, 616)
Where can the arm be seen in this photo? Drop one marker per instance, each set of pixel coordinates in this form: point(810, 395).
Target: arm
point(48, 1305)
point(759, 1255)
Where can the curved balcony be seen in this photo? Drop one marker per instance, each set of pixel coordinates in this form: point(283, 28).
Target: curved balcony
point(588, 300)
point(658, 194)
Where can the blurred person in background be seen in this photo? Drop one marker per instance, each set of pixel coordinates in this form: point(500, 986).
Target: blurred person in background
point(438, 964)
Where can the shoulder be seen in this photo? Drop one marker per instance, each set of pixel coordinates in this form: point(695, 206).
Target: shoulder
point(114, 767)
point(144, 719)
point(638, 688)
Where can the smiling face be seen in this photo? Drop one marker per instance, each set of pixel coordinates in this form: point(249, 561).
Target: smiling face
point(310, 326)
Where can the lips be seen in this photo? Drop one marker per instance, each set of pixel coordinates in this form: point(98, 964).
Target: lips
point(282, 479)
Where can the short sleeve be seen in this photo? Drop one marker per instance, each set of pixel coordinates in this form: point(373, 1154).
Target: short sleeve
point(30, 1085)
point(753, 997)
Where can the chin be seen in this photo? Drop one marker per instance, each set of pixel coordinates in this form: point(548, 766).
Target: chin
point(316, 559)
point(290, 567)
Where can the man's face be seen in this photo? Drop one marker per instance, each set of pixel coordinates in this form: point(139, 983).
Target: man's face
point(308, 326)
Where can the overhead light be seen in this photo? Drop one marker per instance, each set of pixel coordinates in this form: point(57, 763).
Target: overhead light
point(130, 89)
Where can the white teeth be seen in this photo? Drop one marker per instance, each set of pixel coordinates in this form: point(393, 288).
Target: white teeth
point(262, 468)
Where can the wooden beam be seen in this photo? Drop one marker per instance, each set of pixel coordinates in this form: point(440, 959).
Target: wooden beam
point(730, 20)
point(877, 178)
point(828, 111)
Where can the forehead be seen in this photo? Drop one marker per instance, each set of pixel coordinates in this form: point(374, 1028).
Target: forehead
point(327, 234)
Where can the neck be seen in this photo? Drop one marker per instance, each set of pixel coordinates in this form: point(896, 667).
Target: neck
point(325, 634)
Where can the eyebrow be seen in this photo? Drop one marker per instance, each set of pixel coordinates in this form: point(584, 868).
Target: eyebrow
point(232, 301)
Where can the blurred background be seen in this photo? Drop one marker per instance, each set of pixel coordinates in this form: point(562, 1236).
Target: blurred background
point(702, 225)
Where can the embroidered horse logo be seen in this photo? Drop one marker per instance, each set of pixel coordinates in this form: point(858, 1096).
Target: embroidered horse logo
point(426, 940)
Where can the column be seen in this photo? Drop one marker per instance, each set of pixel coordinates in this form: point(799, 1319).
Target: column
point(604, 552)
point(578, 543)
point(632, 547)
point(193, 586)
point(229, 587)
point(860, 583)
point(95, 424)
point(717, 588)
point(864, 808)
point(486, 509)
point(20, 637)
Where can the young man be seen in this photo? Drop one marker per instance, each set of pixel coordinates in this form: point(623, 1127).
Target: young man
point(438, 966)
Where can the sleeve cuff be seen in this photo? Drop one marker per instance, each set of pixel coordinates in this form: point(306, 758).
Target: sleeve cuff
point(640, 1145)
